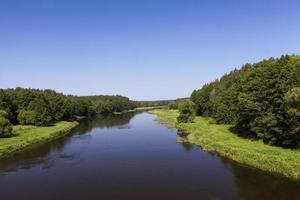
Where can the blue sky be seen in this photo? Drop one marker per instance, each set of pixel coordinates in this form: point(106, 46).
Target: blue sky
point(143, 49)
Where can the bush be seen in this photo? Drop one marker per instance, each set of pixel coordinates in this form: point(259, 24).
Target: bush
point(3, 114)
point(292, 103)
point(211, 120)
point(173, 106)
point(40, 106)
point(5, 125)
point(26, 117)
point(186, 110)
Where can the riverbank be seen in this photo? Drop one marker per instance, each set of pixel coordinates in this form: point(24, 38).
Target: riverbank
point(219, 139)
point(27, 136)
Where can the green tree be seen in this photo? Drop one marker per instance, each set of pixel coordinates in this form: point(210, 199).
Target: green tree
point(5, 125)
point(260, 100)
point(201, 99)
point(40, 106)
point(3, 114)
point(186, 111)
point(292, 103)
point(27, 117)
point(173, 105)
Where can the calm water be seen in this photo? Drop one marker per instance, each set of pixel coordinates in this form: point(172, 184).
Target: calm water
point(131, 156)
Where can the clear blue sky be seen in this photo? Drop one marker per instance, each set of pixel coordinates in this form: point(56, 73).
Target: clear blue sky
point(143, 49)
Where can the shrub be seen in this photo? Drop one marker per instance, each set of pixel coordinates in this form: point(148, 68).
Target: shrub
point(40, 106)
point(26, 117)
point(211, 120)
point(292, 103)
point(5, 125)
point(3, 114)
point(186, 112)
point(173, 106)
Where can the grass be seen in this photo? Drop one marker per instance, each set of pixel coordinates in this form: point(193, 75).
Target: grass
point(27, 136)
point(218, 138)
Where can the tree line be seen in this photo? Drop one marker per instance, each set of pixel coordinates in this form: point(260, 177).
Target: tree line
point(260, 100)
point(43, 107)
point(153, 103)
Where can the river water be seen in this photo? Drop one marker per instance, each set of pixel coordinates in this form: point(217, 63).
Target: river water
point(131, 156)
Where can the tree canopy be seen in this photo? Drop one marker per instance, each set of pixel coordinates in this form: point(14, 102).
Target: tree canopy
point(186, 111)
point(5, 125)
point(261, 100)
point(42, 107)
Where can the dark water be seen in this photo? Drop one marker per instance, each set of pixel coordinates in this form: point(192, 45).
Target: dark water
point(132, 157)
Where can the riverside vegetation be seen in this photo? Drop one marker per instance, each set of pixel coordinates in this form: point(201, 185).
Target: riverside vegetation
point(245, 114)
point(220, 139)
point(43, 107)
point(261, 101)
point(251, 115)
point(31, 116)
point(25, 136)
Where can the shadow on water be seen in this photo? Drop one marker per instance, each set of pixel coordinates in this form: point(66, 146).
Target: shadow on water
point(40, 154)
point(256, 184)
point(186, 145)
point(253, 183)
point(29, 158)
point(104, 121)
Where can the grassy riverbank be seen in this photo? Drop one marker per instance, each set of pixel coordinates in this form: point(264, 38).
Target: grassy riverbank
point(218, 138)
point(26, 136)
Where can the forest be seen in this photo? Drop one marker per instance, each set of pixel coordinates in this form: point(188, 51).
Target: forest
point(44, 107)
point(261, 101)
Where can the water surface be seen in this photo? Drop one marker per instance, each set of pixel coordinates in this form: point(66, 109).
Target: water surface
point(131, 156)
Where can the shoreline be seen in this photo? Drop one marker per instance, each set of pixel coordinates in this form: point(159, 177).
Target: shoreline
point(219, 139)
point(30, 136)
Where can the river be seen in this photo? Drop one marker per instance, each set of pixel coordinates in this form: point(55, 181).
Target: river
point(131, 156)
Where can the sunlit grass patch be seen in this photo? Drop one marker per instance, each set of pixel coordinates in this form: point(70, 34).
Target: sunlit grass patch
point(26, 136)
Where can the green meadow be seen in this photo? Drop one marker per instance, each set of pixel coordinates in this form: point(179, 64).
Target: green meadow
point(25, 136)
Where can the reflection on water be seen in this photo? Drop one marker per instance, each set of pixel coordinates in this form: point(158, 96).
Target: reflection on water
point(40, 155)
point(32, 157)
point(186, 146)
point(255, 184)
point(104, 121)
point(130, 156)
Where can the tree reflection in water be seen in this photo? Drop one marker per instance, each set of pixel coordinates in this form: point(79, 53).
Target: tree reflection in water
point(40, 154)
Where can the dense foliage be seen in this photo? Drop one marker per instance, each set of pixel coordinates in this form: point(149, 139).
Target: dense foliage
point(5, 125)
point(153, 103)
point(186, 111)
point(42, 107)
point(173, 105)
point(260, 100)
point(109, 104)
point(160, 103)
